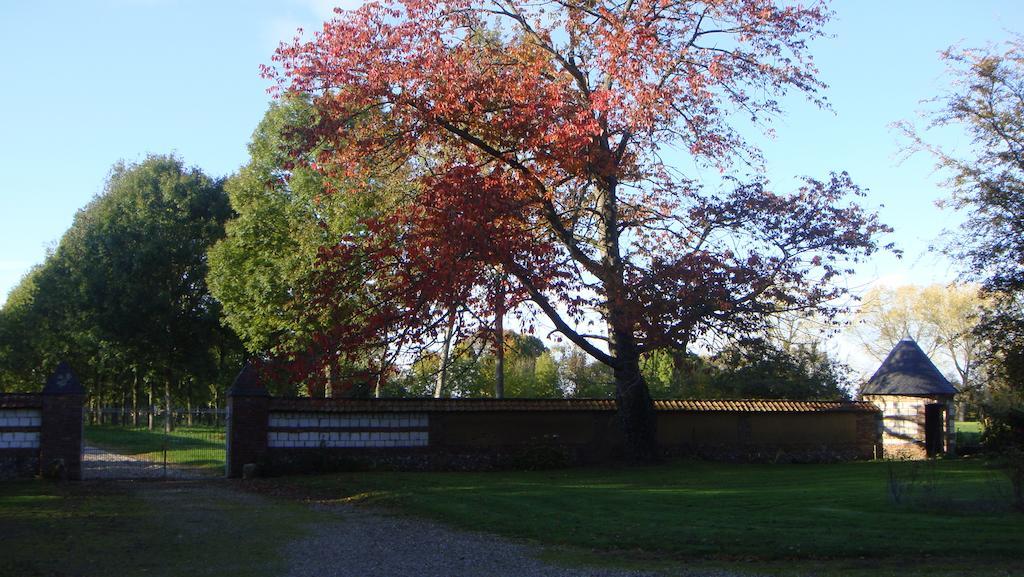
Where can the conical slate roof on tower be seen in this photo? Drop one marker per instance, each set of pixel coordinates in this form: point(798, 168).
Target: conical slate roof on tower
point(908, 371)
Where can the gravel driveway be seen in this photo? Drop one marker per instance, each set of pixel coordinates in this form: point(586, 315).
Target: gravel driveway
point(372, 543)
point(102, 464)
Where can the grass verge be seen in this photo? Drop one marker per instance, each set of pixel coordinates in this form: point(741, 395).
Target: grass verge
point(136, 529)
point(824, 519)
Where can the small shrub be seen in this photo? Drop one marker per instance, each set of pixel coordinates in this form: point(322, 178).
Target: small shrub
point(902, 477)
point(913, 482)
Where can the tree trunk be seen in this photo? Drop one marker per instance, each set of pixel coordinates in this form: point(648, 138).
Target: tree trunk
point(636, 408)
point(316, 388)
point(97, 416)
point(499, 340)
point(135, 397)
point(442, 373)
point(331, 389)
point(167, 400)
point(379, 384)
point(682, 369)
point(152, 406)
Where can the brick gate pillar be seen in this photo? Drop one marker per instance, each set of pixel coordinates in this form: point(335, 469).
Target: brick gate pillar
point(248, 415)
point(60, 433)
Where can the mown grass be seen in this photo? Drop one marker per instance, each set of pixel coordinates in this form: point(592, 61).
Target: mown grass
point(969, 427)
point(968, 435)
point(142, 529)
point(195, 446)
point(826, 519)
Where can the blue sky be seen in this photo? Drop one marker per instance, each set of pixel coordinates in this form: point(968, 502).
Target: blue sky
point(89, 82)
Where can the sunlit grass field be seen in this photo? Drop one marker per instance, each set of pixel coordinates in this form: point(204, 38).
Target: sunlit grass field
point(968, 435)
point(190, 446)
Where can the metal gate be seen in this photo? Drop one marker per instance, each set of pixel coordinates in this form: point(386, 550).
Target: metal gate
point(154, 444)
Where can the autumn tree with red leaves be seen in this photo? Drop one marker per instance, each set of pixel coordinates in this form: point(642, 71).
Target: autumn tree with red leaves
point(535, 134)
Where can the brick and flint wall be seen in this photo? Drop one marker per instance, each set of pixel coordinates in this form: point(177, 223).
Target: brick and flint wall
point(42, 433)
point(903, 424)
point(281, 435)
point(20, 423)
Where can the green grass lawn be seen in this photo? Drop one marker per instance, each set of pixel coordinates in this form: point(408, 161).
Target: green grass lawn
point(825, 519)
point(142, 529)
point(683, 518)
point(195, 446)
point(968, 435)
point(969, 427)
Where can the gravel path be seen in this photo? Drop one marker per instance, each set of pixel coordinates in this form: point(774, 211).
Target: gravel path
point(102, 464)
point(369, 543)
point(349, 541)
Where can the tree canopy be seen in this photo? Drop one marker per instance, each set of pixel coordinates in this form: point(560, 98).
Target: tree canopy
point(264, 269)
point(941, 318)
point(553, 118)
point(986, 176)
point(123, 296)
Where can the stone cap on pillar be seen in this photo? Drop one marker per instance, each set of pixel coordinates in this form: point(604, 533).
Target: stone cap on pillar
point(248, 383)
point(63, 382)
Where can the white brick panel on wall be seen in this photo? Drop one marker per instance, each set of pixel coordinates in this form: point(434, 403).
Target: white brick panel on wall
point(364, 430)
point(20, 418)
point(353, 420)
point(19, 440)
point(335, 439)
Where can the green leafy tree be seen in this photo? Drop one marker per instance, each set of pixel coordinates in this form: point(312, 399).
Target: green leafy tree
point(148, 265)
point(22, 364)
point(523, 379)
point(942, 319)
point(123, 295)
point(270, 248)
point(758, 369)
point(530, 369)
point(285, 214)
point(47, 318)
point(584, 378)
point(672, 374)
point(985, 101)
point(546, 373)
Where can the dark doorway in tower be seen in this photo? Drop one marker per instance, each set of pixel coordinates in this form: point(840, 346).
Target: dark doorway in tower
point(934, 428)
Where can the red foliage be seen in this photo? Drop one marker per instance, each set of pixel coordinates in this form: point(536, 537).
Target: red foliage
point(533, 133)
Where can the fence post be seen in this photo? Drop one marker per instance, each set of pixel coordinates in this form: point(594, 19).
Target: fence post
point(60, 435)
point(248, 415)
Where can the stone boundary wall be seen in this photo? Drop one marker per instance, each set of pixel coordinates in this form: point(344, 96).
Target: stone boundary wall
point(282, 435)
point(41, 433)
